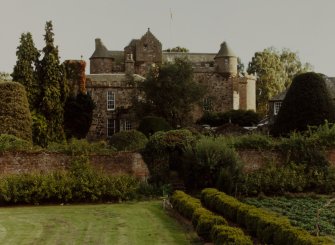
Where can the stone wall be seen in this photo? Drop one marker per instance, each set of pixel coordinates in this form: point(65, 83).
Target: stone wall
point(119, 163)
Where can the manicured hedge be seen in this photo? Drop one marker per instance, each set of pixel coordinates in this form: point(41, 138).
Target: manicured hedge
point(268, 227)
point(204, 220)
point(15, 118)
point(132, 140)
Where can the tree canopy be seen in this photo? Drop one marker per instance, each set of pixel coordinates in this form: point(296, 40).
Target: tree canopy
point(275, 71)
point(169, 92)
point(307, 103)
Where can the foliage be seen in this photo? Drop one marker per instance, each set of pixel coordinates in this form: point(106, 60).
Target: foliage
point(209, 162)
point(132, 140)
point(80, 184)
point(53, 87)
point(204, 221)
point(151, 124)
point(163, 152)
point(39, 129)
point(12, 143)
point(78, 147)
point(307, 103)
point(75, 74)
point(268, 227)
point(15, 118)
point(170, 92)
point(6, 77)
point(25, 68)
point(242, 118)
point(301, 210)
point(254, 141)
point(78, 115)
point(177, 49)
point(275, 71)
point(223, 234)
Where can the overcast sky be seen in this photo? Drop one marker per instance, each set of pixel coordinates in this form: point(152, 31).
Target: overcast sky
point(305, 26)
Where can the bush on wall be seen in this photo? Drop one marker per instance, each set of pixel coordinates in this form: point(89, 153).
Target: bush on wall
point(132, 140)
point(15, 118)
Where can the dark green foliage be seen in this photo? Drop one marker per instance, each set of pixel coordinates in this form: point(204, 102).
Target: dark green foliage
point(170, 92)
point(54, 88)
point(76, 147)
point(39, 129)
point(132, 140)
point(15, 118)
point(206, 223)
point(307, 103)
point(163, 151)
point(24, 69)
point(78, 115)
point(268, 227)
point(242, 118)
point(210, 161)
point(301, 210)
point(150, 125)
point(80, 184)
point(12, 143)
point(223, 234)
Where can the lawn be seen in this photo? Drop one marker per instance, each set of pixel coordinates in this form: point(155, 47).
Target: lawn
point(302, 211)
point(131, 223)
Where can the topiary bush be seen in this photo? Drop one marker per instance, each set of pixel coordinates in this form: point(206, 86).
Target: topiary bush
point(307, 103)
point(132, 140)
point(150, 125)
point(15, 118)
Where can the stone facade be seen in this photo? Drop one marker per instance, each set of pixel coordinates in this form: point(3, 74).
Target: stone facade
point(109, 84)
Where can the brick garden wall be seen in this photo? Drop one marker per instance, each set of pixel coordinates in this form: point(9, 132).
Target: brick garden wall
point(119, 163)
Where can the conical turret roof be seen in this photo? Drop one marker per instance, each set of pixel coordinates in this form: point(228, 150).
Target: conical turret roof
point(100, 50)
point(225, 51)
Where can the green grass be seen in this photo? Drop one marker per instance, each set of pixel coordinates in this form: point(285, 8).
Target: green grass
point(131, 223)
point(301, 211)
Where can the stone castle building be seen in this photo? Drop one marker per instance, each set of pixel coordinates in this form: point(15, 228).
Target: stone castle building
point(108, 81)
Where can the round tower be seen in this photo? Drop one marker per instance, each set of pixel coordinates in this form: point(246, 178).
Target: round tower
point(226, 61)
point(101, 60)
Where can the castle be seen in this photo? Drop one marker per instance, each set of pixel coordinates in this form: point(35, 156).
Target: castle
point(108, 82)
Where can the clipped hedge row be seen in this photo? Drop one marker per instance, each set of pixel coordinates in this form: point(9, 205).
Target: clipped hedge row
point(268, 227)
point(204, 221)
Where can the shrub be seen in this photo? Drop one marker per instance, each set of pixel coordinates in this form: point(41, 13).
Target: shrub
point(307, 102)
point(15, 118)
point(150, 125)
point(185, 204)
point(128, 141)
point(205, 162)
point(242, 118)
point(223, 234)
point(77, 147)
point(12, 143)
point(163, 152)
point(269, 228)
point(80, 184)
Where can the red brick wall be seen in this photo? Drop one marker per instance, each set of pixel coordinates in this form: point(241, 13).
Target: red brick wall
point(122, 162)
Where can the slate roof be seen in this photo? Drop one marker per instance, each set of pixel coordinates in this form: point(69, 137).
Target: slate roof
point(225, 51)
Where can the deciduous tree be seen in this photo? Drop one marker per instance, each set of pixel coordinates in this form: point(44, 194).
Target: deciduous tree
point(275, 71)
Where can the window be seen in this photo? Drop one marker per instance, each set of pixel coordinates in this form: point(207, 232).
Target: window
point(276, 107)
point(110, 127)
point(110, 101)
point(125, 125)
point(207, 104)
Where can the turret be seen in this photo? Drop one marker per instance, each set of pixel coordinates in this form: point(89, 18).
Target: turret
point(101, 60)
point(226, 61)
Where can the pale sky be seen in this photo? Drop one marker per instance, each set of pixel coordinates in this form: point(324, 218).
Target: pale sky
point(305, 26)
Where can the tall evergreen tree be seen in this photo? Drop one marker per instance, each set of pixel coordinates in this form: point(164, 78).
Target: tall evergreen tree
point(54, 87)
point(24, 69)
